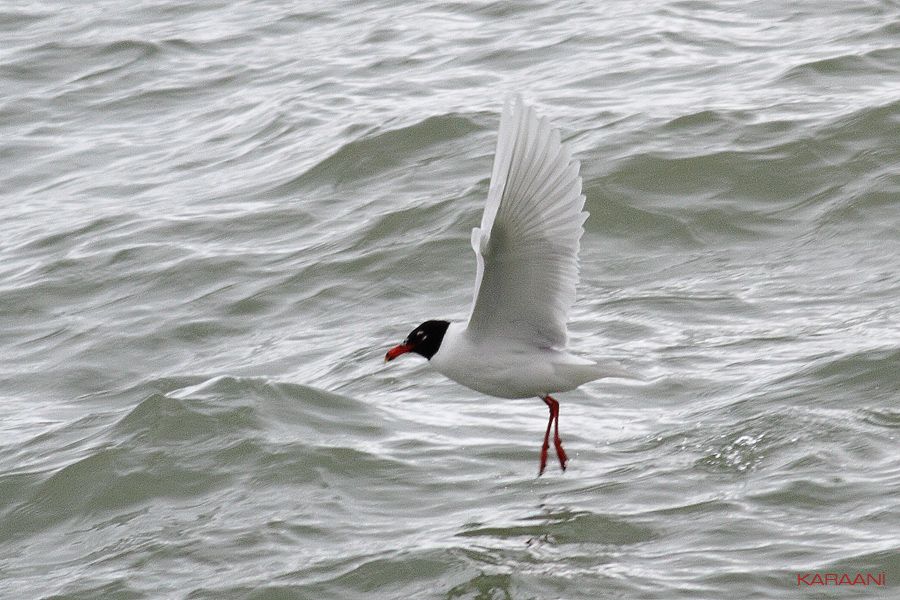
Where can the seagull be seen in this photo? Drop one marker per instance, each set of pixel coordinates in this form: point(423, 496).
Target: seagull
point(513, 345)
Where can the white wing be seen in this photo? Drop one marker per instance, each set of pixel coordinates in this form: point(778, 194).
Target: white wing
point(527, 246)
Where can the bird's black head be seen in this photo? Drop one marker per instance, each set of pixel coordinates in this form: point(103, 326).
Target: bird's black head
point(425, 340)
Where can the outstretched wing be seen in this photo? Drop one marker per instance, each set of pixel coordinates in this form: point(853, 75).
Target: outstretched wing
point(527, 245)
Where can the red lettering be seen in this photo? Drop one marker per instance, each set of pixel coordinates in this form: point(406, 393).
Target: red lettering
point(841, 579)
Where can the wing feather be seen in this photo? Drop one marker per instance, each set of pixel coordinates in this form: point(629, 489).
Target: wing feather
point(527, 245)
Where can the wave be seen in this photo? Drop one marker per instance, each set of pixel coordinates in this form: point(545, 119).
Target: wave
point(190, 442)
point(865, 378)
point(881, 62)
point(379, 153)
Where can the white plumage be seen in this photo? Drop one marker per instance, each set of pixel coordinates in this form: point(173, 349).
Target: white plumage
point(527, 245)
point(513, 345)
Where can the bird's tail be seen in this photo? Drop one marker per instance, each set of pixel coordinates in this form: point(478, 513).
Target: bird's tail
point(583, 371)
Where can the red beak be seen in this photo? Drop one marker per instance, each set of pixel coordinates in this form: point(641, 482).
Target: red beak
point(397, 351)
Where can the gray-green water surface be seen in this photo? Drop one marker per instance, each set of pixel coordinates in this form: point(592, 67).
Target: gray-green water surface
point(217, 216)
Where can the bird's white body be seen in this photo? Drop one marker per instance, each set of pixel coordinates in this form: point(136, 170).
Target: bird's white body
point(510, 368)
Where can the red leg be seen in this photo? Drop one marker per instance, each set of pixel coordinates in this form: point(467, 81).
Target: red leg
point(553, 405)
point(546, 439)
point(557, 443)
